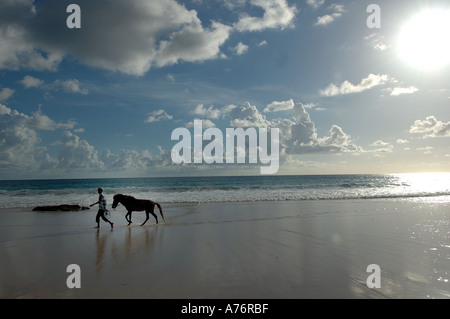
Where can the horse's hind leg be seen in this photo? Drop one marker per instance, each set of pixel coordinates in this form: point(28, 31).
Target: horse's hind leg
point(146, 218)
point(128, 218)
point(154, 215)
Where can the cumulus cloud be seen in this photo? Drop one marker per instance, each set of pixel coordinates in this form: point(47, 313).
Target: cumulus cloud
point(240, 48)
point(248, 116)
point(348, 88)
point(210, 112)
point(157, 116)
point(127, 160)
point(42, 122)
point(262, 43)
point(400, 90)
point(205, 123)
point(163, 32)
point(277, 14)
point(21, 151)
point(31, 82)
point(192, 44)
point(277, 106)
point(302, 137)
point(18, 50)
point(76, 153)
point(6, 93)
point(18, 141)
point(297, 135)
point(378, 143)
point(382, 148)
point(431, 126)
point(130, 37)
point(70, 86)
point(315, 3)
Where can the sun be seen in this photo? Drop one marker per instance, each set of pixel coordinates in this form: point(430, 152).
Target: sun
point(424, 41)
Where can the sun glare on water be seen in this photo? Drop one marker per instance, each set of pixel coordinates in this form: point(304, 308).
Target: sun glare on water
point(424, 41)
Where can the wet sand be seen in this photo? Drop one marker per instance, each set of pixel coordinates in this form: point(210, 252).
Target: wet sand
point(273, 250)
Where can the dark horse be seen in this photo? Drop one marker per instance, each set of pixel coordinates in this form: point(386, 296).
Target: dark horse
point(133, 204)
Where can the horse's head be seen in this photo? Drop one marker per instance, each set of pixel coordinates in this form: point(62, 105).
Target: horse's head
point(116, 200)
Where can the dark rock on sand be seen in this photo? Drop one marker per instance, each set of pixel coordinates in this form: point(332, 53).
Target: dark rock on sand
point(60, 208)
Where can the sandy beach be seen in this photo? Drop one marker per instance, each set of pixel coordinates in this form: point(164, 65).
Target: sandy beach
point(273, 250)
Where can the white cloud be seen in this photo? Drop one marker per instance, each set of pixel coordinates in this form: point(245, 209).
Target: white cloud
point(262, 43)
point(21, 152)
point(158, 115)
point(401, 141)
point(315, 3)
point(299, 135)
point(348, 88)
point(205, 124)
point(399, 90)
point(431, 125)
point(76, 153)
point(277, 14)
point(18, 50)
point(163, 33)
point(379, 143)
point(426, 149)
point(192, 44)
point(248, 116)
point(382, 148)
point(18, 141)
point(5, 94)
point(233, 4)
point(170, 77)
point(127, 160)
point(42, 122)
point(211, 112)
point(279, 106)
point(31, 82)
point(328, 18)
point(70, 86)
point(377, 42)
point(240, 48)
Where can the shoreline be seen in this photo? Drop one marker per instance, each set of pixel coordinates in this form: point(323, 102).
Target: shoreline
point(272, 250)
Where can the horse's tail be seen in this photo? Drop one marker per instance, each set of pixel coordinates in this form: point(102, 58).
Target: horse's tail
point(160, 211)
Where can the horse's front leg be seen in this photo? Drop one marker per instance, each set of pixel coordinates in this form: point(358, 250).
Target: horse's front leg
point(128, 218)
point(146, 218)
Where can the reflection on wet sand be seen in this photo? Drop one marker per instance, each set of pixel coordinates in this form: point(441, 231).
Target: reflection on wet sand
point(123, 244)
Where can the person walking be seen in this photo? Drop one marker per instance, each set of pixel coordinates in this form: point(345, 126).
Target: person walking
point(101, 209)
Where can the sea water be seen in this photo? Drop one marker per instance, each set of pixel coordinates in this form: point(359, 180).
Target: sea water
point(174, 190)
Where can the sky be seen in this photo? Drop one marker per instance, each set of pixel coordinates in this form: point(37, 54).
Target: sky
point(352, 88)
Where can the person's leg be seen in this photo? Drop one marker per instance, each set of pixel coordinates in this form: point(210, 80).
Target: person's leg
point(97, 218)
point(106, 219)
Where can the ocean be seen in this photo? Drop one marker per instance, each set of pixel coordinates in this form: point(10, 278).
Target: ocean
point(196, 190)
